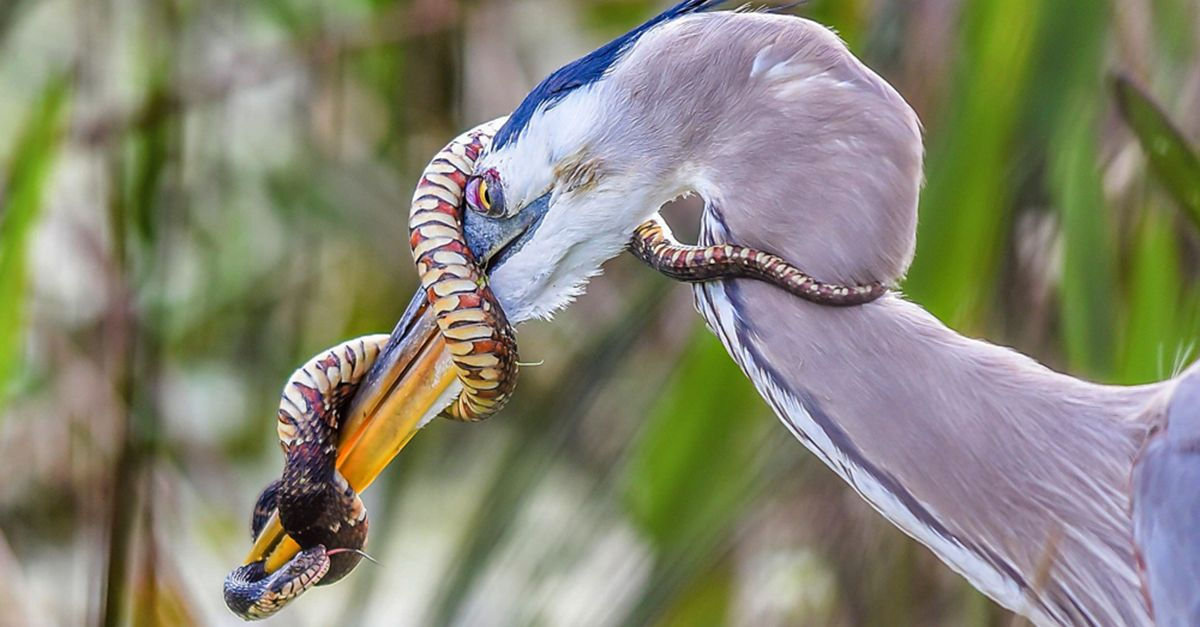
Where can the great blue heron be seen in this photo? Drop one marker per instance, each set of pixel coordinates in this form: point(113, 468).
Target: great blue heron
point(1016, 476)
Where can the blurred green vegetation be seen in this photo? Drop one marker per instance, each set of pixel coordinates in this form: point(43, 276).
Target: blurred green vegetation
point(199, 195)
point(31, 163)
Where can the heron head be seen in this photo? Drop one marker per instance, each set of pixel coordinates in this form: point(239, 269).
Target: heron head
point(567, 179)
point(801, 149)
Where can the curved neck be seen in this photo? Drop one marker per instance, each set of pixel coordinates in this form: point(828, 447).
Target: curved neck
point(995, 462)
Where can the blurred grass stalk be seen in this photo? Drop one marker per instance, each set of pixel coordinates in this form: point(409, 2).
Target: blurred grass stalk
point(1161, 335)
point(1088, 287)
point(22, 195)
point(145, 206)
point(692, 469)
point(21, 200)
point(964, 208)
point(1174, 162)
point(519, 468)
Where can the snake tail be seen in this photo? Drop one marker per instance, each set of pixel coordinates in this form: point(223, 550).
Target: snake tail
point(654, 244)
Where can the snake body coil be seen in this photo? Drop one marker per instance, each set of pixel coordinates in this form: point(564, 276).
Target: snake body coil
point(481, 342)
point(317, 507)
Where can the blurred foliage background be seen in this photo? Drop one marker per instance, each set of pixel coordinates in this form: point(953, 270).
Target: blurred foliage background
point(197, 195)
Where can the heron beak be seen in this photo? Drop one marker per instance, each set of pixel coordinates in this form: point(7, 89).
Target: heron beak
point(411, 382)
point(495, 240)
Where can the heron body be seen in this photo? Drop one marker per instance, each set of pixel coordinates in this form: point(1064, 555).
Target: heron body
point(1006, 470)
point(998, 464)
point(1016, 476)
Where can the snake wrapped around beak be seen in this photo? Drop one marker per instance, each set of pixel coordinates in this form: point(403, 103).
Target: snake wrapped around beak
point(315, 504)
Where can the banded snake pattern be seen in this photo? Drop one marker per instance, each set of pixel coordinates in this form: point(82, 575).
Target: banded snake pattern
point(481, 342)
point(316, 505)
point(654, 244)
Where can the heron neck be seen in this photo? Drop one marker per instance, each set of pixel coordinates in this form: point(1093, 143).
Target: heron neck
point(988, 457)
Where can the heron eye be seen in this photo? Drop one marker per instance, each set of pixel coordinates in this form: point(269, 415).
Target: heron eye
point(485, 194)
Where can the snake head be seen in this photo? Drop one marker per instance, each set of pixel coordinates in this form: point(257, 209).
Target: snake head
point(252, 594)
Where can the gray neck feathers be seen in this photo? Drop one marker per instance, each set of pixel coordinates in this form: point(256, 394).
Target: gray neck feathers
point(1019, 465)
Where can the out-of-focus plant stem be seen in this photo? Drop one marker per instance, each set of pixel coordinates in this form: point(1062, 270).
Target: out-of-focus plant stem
point(21, 199)
point(140, 222)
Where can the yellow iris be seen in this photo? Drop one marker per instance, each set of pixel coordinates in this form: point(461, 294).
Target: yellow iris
point(485, 198)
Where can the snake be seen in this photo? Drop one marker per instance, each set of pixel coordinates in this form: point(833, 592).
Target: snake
point(316, 505)
point(482, 344)
point(655, 246)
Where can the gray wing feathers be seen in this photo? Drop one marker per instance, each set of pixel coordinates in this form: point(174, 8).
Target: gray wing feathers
point(1166, 510)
